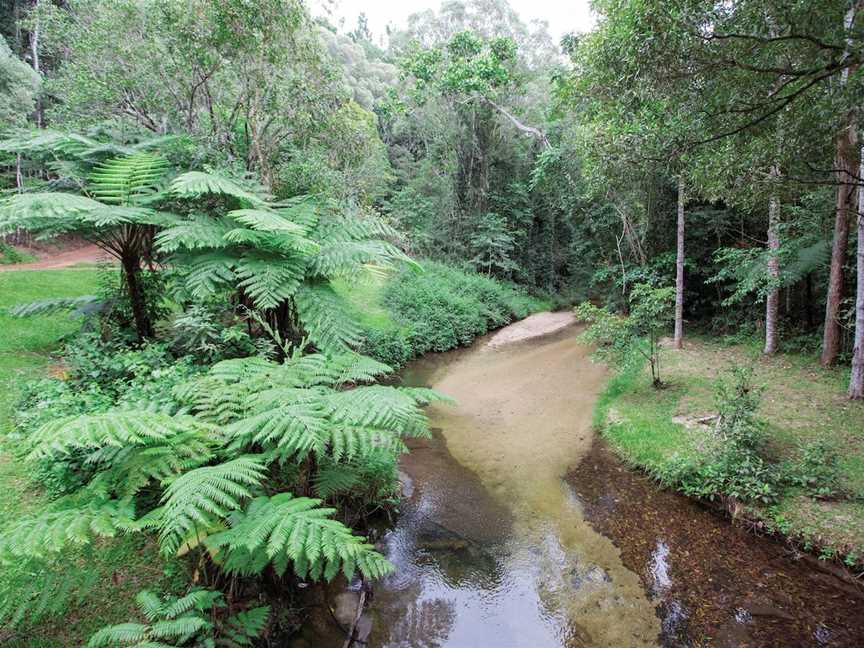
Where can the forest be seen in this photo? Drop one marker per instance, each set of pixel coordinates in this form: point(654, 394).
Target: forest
point(253, 266)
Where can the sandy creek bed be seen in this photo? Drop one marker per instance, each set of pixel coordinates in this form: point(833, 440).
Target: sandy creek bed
point(492, 547)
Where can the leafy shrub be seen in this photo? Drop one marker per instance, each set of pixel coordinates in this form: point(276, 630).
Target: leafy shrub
point(815, 470)
point(10, 254)
point(620, 338)
point(99, 376)
point(199, 332)
point(443, 308)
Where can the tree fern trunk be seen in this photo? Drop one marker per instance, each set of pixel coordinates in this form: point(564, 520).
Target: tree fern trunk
point(679, 270)
point(856, 381)
point(773, 299)
point(132, 276)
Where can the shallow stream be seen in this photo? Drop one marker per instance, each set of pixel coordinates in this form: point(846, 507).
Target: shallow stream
point(520, 530)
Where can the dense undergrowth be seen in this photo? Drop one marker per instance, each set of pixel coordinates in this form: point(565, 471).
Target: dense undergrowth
point(74, 432)
point(439, 309)
point(773, 446)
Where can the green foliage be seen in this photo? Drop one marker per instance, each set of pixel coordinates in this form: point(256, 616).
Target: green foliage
point(816, 470)
point(198, 619)
point(281, 256)
point(217, 457)
point(443, 308)
point(19, 86)
point(620, 338)
point(9, 254)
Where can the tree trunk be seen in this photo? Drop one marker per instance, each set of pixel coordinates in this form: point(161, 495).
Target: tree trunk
point(856, 381)
point(773, 299)
point(679, 271)
point(847, 161)
point(132, 275)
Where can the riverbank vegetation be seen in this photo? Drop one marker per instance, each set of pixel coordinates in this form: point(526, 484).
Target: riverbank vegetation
point(767, 439)
point(295, 209)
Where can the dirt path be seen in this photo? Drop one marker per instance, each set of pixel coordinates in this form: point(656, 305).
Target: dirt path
point(533, 326)
point(87, 254)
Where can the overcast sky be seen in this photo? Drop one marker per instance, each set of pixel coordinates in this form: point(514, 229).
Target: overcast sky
point(562, 15)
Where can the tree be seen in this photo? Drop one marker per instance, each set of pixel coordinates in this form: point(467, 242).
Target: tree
point(279, 256)
point(243, 78)
point(621, 338)
point(856, 380)
point(113, 206)
point(19, 86)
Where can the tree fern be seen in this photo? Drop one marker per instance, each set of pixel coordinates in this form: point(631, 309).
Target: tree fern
point(281, 255)
point(115, 208)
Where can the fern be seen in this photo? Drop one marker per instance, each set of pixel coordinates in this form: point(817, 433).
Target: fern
point(195, 619)
point(128, 180)
point(292, 529)
point(78, 305)
point(281, 255)
point(117, 428)
point(202, 496)
point(196, 184)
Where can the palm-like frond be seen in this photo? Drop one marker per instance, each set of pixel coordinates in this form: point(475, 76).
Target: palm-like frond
point(285, 528)
point(118, 428)
point(52, 530)
point(128, 180)
point(201, 496)
point(197, 183)
point(325, 318)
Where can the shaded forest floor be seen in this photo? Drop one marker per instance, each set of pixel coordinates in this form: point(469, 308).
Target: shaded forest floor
point(802, 403)
point(118, 569)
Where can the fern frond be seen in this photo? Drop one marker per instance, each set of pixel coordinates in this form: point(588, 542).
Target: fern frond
point(243, 627)
point(122, 633)
point(45, 214)
point(78, 306)
point(198, 232)
point(293, 429)
point(128, 180)
point(197, 183)
point(377, 406)
point(284, 527)
point(326, 319)
point(269, 279)
point(266, 220)
point(50, 531)
point(210, 273)
point(113, 428)
point(199, 496)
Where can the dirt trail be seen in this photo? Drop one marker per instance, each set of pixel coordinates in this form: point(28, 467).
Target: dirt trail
point(87, 254)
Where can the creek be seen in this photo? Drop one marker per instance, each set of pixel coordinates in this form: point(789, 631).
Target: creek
point(520, 530)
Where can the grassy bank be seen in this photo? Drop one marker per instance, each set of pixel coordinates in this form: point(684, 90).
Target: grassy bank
point(437, 310)
point(670, 432)
point(89, 589)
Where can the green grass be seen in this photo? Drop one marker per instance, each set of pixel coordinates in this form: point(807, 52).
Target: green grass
point(122, 567)
point(802, 402)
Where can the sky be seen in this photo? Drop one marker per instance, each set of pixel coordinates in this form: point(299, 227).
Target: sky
point(563, 16)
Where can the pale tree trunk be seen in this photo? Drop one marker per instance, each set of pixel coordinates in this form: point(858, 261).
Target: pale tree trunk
point(772, 302)
point(34, 51)
point(678, 340)
point(846, 160)
point(856, 382)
